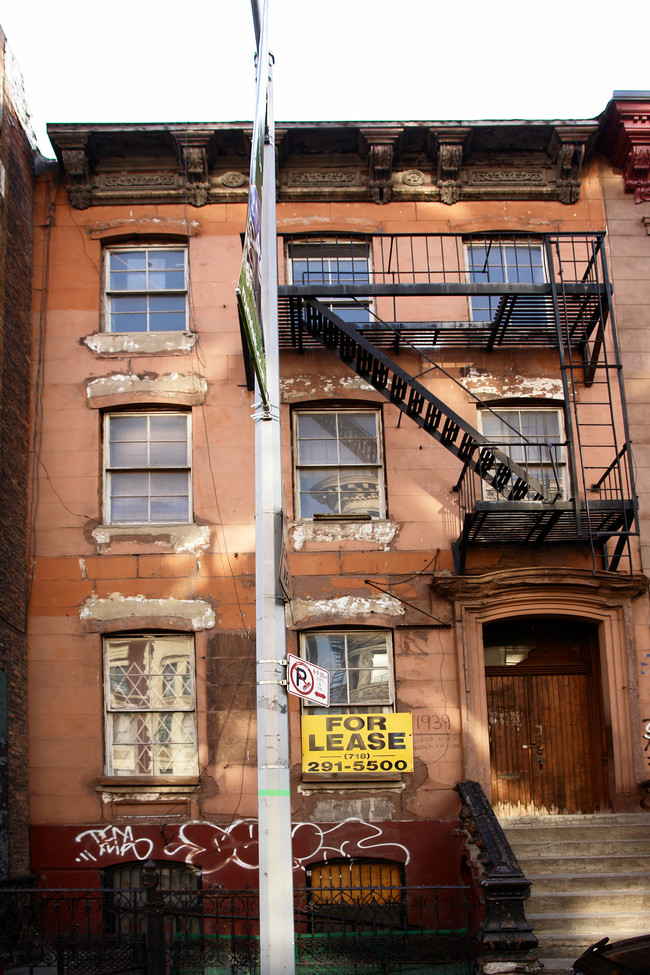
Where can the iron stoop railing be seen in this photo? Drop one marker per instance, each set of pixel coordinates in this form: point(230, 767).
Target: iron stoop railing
point(554, 294)
point(353, 931)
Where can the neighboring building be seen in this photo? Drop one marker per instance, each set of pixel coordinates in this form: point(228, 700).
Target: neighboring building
point(463, 544)
point(17, 158)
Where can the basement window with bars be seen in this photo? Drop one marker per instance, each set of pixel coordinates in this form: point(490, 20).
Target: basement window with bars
point(533, 439)
point(125, 897)
point(150, 705)
point(360, 665)
point(363, 893)
point(147, 468)
point(336, 261)
point(338, 464)
point(146, 289)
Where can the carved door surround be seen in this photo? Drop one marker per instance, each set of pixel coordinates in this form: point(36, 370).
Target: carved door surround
point(576, 593)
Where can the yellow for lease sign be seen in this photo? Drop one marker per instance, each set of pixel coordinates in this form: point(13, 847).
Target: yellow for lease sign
point(363, 743)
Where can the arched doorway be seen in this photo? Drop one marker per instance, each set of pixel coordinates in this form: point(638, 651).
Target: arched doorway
point(548, 748)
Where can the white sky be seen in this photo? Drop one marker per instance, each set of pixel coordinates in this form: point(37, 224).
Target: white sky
point(139, 61)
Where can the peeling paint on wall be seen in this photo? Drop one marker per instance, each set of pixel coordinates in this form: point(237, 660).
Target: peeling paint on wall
point(483, 383)
point(181, 538)
point(343, 608)
point(377, 532)
point(196, 612)
point(299, 387)
point(171, 385)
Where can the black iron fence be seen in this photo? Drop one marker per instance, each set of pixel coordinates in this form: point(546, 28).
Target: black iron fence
point(151, 931)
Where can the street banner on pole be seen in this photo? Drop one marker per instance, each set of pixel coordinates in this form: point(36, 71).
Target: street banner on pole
point(249, 287)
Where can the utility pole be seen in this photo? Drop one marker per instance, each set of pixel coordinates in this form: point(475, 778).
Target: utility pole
point(277, 931)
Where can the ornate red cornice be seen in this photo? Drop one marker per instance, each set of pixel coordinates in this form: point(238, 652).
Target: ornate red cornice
point(626, 140)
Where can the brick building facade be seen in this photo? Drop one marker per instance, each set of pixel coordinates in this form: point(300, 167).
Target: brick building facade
point(462, 535)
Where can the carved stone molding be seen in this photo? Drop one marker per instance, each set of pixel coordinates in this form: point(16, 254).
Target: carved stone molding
point(381, 145)
point(626, 140)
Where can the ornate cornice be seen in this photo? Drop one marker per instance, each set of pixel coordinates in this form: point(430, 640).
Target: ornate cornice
point(626, 141)
point(444, 162)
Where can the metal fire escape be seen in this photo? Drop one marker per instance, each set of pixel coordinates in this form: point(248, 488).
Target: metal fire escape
point(363, 297)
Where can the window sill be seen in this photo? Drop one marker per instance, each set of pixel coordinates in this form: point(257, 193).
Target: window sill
point(187, 537)
point(146, 343)
point(342, 782)
point(363, 531)
point(147, 787)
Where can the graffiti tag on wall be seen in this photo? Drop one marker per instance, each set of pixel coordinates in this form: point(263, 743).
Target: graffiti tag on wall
point(212, 847)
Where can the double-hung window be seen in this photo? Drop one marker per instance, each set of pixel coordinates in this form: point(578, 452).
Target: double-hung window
point(534, 439)
point(146, 289)
point(335, 261)
point(360, 667)
point(150, 709)
point(497, 261)
point(147, 468)
point(338, 463)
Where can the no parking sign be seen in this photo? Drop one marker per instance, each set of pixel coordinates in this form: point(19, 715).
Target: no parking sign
point(308, 681)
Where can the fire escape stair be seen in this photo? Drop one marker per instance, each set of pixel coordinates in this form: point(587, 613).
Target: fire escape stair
point(417, 402)
point(523, 513)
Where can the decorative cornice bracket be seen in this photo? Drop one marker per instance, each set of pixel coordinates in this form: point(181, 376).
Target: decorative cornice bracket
point(76, 163)
point(447, 147)
point(626, 140)
point(194, 153)
point(568, 148)
point(382, 146)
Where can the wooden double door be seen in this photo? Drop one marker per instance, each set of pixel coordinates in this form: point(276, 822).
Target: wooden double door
point(547, 742)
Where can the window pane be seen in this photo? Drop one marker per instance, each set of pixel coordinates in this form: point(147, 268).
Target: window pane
point(129, 497)
point(319, 493)
point(150, 700)
point(358, 664)
point(146, 274)
point(316, 426)
point(369, 685)
point(359, 492)
point(318, 452)
point(338, 439)
point(151, 452)
point(326, 650)
point(168, 426)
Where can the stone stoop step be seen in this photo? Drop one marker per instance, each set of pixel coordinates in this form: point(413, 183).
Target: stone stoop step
point(590, 879)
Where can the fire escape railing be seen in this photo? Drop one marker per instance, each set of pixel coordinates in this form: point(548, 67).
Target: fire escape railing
point(483, 293)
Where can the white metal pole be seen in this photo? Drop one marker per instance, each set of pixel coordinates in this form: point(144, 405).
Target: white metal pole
point(277, 936)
